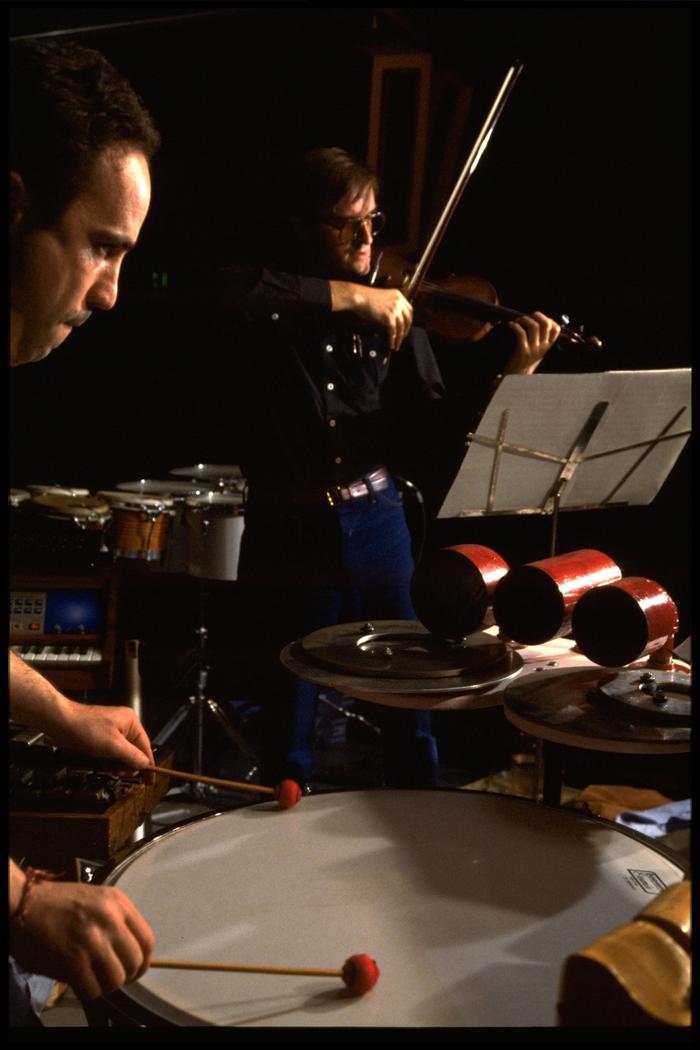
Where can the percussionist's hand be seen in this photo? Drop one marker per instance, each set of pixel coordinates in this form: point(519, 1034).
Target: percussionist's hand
point(91, 937)
point(97, 730)
point(386, 307)
point(103, 732)
point(534, 334)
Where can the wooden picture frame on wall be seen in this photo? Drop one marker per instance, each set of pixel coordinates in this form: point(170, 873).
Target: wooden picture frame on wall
point(398, 139)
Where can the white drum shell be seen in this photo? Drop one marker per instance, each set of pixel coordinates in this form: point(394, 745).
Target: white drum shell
point(469, 903)
point(213, 531)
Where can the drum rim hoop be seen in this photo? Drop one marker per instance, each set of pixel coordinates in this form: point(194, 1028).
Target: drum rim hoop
point(137, 1012)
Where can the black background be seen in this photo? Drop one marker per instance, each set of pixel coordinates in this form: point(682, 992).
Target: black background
point(581, 204)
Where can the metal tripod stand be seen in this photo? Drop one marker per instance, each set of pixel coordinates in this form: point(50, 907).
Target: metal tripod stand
point(198, 704)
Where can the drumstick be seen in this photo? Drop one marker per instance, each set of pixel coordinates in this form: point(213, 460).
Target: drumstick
point(287, 792)
point(359, 973)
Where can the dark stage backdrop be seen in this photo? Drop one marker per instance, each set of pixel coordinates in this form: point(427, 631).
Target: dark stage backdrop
point(580, 205)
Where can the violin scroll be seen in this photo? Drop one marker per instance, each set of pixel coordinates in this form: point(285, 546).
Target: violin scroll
point(576, 336)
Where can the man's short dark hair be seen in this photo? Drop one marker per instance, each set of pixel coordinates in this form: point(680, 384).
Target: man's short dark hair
point(323, 177)
point(67, 105)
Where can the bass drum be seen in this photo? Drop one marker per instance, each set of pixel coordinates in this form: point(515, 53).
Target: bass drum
point(470, 904)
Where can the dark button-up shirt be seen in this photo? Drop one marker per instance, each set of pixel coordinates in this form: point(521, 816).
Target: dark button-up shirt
point(324, 401)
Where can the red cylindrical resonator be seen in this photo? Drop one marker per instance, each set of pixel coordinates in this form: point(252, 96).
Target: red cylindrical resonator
point(452, 589)
point(625, 621)
point(534, 602)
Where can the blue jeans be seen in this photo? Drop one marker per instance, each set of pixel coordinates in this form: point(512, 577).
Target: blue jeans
point(312, 569)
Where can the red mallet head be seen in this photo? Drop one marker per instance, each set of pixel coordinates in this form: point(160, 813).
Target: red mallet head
point(360, 973)
point(287, 794)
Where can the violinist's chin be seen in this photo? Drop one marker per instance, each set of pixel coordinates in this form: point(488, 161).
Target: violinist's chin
point(359, 260)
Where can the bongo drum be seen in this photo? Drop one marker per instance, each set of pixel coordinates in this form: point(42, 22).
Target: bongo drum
point(213, 530)
point(174, 558)
point(139, 526)
point(470, 904)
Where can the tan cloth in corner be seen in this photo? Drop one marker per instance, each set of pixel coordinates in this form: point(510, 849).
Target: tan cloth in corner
point(608, 800)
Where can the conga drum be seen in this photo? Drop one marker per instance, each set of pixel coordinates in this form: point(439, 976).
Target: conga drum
point(470, 904)
point(214, 526)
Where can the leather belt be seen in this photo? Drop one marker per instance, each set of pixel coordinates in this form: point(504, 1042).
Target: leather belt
point(374, 482)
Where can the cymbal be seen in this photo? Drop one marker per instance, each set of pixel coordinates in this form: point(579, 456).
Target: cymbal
point(575, 707)
point(348, 653)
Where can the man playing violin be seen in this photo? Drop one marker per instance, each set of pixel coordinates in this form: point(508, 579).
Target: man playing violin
point(340, 382)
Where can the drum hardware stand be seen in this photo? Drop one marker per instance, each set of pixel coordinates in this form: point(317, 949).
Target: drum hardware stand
point(348, 715)
point(198, 704)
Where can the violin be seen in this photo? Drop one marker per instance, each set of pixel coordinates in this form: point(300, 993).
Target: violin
point(460, 308)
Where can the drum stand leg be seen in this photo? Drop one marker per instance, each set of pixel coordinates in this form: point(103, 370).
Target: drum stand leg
point(552, 772)
point(199, 705)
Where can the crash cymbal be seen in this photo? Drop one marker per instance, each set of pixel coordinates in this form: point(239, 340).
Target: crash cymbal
point(401, 649)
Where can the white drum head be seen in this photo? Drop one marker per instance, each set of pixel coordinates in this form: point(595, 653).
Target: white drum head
point(88, 508)
point(228, 501)
point(56, 490)
point(147, 487)
point(469, 903)
point(118, 500)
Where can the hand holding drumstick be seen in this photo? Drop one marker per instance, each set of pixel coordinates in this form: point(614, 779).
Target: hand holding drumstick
point(287, 792)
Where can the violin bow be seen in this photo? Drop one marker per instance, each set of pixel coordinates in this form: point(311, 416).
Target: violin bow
point(469, 167)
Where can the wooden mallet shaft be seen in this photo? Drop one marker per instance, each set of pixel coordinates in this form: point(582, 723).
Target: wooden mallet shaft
point(177, 964)
point(359, 973)
point(217, 781)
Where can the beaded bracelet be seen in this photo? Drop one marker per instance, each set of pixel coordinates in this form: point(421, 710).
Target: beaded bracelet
point(32, 875)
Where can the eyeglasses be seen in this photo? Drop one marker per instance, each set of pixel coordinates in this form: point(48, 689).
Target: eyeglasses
point(349, 229)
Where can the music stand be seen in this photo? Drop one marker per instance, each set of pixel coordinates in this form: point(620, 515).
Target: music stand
point(549, 443)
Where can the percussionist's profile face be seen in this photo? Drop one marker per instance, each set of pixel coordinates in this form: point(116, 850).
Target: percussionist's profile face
point(347, 252)
point(62, 273)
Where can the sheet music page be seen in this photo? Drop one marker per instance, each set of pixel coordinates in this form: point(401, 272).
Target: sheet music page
point(546, 414)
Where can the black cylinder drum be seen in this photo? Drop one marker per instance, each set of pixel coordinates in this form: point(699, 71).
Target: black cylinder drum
point(624, 621)
point(452, 589)
point(533, 603)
